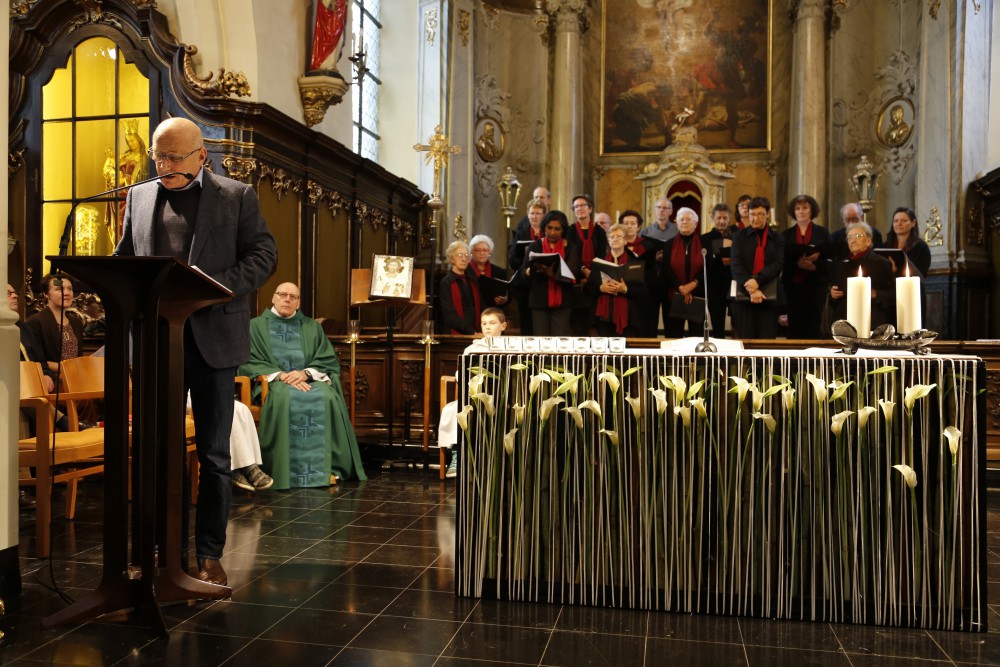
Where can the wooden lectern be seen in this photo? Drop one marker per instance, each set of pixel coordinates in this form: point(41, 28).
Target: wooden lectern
point(152, 297)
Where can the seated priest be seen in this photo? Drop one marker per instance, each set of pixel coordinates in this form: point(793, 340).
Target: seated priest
point(871, 264)
point(306, 438)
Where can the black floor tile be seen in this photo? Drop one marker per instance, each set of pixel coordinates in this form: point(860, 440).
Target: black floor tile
point(768, 656)
point(362, 657)
point(573, 649)
point(526, 614)
point(352, 552)
point(606, 621)
point(417, 603)
point(788, 634)
point(187, 648)
point(267, 652)
point(235, 619)
point(353, 598)
point(505, 643)
point(318, 626)
point(436, 579)
point(693, 653)
point(406, 635)
point(377, 574)
point(397, 554)
point(889, 642)
point(694, 627)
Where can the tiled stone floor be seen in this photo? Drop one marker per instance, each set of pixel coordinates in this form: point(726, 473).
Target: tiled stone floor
point(362, 574)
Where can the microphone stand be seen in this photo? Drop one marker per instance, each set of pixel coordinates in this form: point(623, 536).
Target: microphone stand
point(705, 345)
point(68, 226)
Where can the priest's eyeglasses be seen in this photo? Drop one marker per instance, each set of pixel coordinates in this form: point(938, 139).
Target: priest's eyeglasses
point(287, 295)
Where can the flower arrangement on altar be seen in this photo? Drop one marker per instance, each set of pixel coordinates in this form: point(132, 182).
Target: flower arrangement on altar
point(808, 488)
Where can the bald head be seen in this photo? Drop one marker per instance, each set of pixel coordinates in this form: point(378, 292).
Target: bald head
point(286, 299)
point(177, 130)
point(178, 148)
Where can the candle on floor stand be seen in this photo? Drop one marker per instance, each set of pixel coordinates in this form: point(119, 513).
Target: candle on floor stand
point(859, 304)
point(907, 303)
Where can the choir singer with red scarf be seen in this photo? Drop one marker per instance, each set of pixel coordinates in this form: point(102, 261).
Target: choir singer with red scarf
point(551, 296)
point(758, 255)
point(618, 303)
point(460, 302)
point(681, 268)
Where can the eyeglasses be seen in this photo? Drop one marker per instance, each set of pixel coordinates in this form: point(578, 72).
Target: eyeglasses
point(461, 255)
point(758, 215)
point(287, 295)
point(11, 293)
point(851, 237)
point(169, 157)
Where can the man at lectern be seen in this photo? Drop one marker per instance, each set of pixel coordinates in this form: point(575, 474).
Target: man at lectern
point(213, 223)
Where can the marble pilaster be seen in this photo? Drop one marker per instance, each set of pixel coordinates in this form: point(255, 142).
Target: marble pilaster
point(807, 143)
point(566, 128)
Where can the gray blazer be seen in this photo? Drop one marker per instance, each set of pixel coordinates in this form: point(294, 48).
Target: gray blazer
point(231, 243)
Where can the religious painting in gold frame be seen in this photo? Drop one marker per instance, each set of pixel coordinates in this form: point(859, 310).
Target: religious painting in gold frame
point(662, 59)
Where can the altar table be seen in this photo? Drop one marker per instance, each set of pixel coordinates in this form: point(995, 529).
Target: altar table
point(795, 485)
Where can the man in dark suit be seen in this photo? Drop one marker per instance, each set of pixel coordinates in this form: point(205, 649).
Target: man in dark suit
point(213, 223)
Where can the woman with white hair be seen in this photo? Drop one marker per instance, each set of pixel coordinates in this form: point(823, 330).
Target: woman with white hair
point(681, 268)
point(459, 293)
point(481, 247)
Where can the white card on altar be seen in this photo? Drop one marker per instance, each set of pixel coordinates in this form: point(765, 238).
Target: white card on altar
point(532, 344)
point(581, 344)
point(616, 344)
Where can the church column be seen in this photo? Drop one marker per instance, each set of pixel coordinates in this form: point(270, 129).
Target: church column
point(10, 578)
point(807, 145)
point(566, 117)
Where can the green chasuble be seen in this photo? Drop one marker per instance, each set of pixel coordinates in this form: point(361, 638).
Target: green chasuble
point(304, 435)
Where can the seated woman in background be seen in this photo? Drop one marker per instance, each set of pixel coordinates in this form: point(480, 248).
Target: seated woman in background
point(873, 265)
point(550, 297)
point(618, 303)
point(43, 326)
point(481, 247)
point(905, 235)
point(459, 293)
point(681, 267)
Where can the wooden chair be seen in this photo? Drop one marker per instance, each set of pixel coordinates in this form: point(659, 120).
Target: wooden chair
point(244, 395)
point(75, 454)
point(446, 381)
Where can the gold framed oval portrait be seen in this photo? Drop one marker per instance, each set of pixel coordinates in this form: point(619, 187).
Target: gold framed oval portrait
point(895, 123)
point(490, 139)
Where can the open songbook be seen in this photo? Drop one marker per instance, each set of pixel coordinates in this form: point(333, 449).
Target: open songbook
point(609, 271)
point(490, 288)
point(555, 261)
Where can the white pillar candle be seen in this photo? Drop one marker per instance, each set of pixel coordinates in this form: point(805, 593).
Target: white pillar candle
point(859, 304)
point(907, 303)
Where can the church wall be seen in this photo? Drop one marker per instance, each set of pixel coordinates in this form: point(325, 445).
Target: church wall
point(282, 216)
point(872, 64)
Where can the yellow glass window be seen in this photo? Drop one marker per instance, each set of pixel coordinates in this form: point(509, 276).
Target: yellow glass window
point(95, 130)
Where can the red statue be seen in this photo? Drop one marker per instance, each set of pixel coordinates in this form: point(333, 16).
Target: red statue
point(328, 34)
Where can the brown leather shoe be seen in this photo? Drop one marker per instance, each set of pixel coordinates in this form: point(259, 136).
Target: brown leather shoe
point(210, 570)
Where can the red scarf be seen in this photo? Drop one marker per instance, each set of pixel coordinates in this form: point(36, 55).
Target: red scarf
point(456, 297)
point(586, 237)
point(802, 239)
point(488, 271)
point(637, 246)
point(555, 291)
point(758, 257)
point(535, 235)
point(614, 307)
point(678, 260)
point(859, 256)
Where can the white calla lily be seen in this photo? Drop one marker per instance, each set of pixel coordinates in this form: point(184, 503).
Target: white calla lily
point(537, 380)
point(555, 375)
point(819, 387)
point(837, 421)
point(518, 413)
point(612, 436)
point(613, 382)
point(508, 441)
point(593, 406)
point(699, 405)
point(636, 404)
point(546, 407)
point(768, 420)
point(912, 394)
point(487, 401)
point(908, 473)
point(463, 417)
point(741, 388)
point(788, 398)
point(756, 398)
point(679, 386)
point(476, 384)
point(575, 413)
point(685, 414)
point(954, 439)
point(888, 408)
point(863, 415)
point(661, 400)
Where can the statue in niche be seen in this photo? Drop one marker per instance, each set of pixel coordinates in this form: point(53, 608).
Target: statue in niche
point(487, 145)
point(898, 131)
point(133, 165)
point(329, 20)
